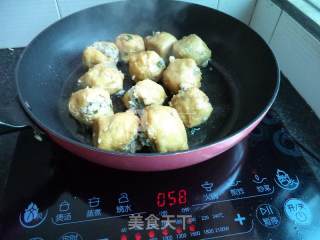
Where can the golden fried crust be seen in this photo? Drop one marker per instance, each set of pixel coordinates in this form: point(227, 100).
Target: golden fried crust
point(161, 42)
point(193, 106)
point(145, 65)
point(129, 44)
point(194, 47)
point(164, 128)
point(100, 52)
point(91, 57)
point(108, 78)
point(146, 92)
point(117, 132)
point(181, 74)
point(87, 104)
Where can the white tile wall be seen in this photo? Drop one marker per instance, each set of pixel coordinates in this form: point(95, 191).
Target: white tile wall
point(67, 7)
point(241, 9)
point(265, 18)
point(292, 44)
point(298, 53)
point(207, 3)
point(22, 20)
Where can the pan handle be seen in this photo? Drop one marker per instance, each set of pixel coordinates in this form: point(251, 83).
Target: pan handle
point(7, 128)
point(13, 118)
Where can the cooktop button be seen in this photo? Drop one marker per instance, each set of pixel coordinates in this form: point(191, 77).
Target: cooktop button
point(285, 181)
point(179, 230)
point(258, 179)
point(165, 232)
point(151, 234)
point(207, 186)
point(64, 206)
point(138, 236)
point(123, 237)
point(268, 216)
point(298, 211)
point(71, 235)
point(32, 217)
point(192, 228)
point(239, 219)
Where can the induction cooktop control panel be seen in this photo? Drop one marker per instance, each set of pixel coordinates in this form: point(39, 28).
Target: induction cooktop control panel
point(260, 189)
point(200, 211)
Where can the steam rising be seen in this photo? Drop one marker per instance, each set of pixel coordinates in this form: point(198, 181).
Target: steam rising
point(148, 13)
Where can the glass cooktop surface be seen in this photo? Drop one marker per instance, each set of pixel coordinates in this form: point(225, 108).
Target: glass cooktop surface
point(262, 188)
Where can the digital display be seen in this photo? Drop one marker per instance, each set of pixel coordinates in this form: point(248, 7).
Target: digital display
point(171, 198)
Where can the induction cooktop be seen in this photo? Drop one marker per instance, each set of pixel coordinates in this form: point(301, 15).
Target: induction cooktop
point(263, 188)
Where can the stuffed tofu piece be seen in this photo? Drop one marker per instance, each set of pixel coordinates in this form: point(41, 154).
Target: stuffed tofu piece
point(129, 44)
point(146, 65)
point(193, 106)
point(144, 93)
point(118, 132)
point(163, 128)
point(100, 52)
point(181, 74)
point(87, 104)
point(192, 46)
point(103, 76)
point(160, 42)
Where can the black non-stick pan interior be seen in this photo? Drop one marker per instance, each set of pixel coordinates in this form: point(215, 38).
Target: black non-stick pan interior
point(240, 81)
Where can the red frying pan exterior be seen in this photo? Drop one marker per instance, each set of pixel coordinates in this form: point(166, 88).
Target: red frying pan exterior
point(156, 162)
point(247, 63)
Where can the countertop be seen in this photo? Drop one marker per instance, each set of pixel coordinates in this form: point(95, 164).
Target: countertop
point(296, 115)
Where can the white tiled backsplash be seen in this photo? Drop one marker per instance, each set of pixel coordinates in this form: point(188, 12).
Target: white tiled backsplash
point(23, 20)
point(297, 51)
point(67, 7)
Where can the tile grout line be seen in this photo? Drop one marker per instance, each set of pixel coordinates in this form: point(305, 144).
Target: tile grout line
point(58, 8)
point(275, 27)
point(253, 11)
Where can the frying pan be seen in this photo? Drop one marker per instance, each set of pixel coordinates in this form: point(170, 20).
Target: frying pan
point(242, 80)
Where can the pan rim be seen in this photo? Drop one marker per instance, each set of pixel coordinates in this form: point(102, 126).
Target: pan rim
point(150, 155)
